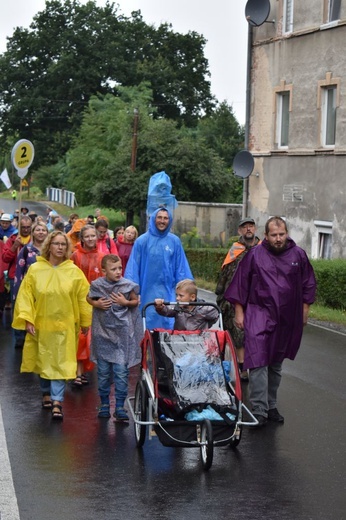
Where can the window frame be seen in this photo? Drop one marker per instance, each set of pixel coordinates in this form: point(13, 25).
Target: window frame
point(287, 22)
point(283, 119)
point(334, 8)
point(324, 88)
point(328, 117)
point(323, 230)
point(278, 95)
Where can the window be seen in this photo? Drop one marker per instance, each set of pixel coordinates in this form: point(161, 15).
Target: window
point(324, 245)
point(328, 124)
point(322, 240)
point(282, 118)
point(333, 10)
point(328, 100)
point(288, 16)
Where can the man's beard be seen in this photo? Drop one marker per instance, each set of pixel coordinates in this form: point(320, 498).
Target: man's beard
point(248, 240)
point(277, 250)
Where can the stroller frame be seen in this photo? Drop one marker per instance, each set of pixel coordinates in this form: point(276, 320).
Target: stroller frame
point(144, 406)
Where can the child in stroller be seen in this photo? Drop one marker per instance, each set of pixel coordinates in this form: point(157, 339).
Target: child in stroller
point(188, 317)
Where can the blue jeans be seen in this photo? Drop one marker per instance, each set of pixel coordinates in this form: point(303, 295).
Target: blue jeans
point(53, 387)
point(121, 381)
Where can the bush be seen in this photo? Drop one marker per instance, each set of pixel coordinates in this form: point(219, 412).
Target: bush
point(206, 263)
point(331, 282)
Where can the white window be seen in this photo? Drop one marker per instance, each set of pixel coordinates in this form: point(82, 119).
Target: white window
point(333, 10)
point(328, 121)
point(282, 118)
point(322, 240)
point(288, 16)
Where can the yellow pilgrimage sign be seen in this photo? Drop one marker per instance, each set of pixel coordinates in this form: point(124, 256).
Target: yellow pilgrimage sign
point(22, 156)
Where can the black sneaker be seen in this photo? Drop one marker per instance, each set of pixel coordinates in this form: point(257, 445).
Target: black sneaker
point(262, 421)
point(273, 415)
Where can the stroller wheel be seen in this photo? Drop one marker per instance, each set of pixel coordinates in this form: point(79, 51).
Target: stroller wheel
point(140, 409)
point(207, 447)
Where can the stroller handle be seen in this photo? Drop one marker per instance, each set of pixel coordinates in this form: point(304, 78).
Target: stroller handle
point(183, 304)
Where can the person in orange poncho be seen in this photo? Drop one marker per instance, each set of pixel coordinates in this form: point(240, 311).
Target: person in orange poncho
point(74, 234)
point(88, 259)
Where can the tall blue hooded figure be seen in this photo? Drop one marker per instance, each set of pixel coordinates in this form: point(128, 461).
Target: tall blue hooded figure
point(157, 263)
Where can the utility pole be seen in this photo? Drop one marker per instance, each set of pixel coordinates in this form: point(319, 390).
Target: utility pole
point(130, 213)
point(134, 140)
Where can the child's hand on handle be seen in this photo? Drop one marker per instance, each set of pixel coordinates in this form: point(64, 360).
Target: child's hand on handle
point(159, 303)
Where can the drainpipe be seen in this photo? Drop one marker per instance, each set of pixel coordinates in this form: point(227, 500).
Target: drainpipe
point(247, 115)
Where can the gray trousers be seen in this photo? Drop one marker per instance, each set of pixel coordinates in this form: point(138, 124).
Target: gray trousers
point(263, 386)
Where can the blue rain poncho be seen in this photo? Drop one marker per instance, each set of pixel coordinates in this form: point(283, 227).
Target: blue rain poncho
point(157, 263)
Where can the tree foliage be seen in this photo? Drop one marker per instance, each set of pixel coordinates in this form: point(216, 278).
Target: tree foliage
point(73, 51)
point(100, 160)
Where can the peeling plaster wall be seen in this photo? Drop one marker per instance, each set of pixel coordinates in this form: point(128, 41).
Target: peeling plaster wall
point(306, 182)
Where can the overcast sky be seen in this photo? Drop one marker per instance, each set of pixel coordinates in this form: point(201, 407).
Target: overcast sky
point(222, 23)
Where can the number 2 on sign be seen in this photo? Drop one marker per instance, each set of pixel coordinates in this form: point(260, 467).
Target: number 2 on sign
point(24, 152)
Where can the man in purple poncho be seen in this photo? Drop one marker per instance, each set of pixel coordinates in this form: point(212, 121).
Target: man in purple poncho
point(272, 290)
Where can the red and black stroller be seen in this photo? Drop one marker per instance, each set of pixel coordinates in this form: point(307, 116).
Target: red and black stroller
point(190, 393)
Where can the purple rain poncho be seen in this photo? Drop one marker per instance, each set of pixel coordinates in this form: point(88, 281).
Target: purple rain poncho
point(272, 289)
point(157, 263)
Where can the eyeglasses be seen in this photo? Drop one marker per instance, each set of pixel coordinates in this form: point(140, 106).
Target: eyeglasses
point(57, 244)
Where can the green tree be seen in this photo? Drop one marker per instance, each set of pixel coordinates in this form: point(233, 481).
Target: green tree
point(100, 161)
point(225, 136)
point(73, 51)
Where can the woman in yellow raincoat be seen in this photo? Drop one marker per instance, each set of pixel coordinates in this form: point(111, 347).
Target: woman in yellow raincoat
point(51, 306)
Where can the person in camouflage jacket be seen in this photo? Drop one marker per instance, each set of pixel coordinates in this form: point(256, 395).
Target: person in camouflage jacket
point(247, 240)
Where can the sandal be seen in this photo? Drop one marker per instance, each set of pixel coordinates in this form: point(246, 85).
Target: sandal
point(57, 412)
point(46, 402)
point(84, 379)
point(77, 381)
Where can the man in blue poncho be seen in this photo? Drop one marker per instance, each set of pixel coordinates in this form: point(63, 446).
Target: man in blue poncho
point(157, 263)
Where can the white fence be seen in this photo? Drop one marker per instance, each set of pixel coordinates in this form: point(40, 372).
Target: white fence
point(62, 196)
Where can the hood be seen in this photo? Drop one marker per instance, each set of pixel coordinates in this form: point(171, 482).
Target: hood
point(80, 249)
point(152, 227)
point(77, 226)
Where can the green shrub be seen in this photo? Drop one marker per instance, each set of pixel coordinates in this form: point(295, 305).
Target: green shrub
point(331, 282)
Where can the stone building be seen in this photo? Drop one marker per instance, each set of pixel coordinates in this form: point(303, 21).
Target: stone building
point(297, 122)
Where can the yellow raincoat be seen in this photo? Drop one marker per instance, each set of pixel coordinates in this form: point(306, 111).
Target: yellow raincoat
point(54, 300)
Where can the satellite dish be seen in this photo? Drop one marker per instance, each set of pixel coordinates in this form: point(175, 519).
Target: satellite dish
point(257, 12)
point(243, 164)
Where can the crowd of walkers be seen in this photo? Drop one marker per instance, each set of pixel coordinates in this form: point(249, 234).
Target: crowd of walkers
point(75, 291)
point(47, 269)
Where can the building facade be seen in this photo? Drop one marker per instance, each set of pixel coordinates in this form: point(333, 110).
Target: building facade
point(297, 122)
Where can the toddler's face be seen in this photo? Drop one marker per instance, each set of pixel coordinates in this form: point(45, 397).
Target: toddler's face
point(113, 271)
point(184, 296)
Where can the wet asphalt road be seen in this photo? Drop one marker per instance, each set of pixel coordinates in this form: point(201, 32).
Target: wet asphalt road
point(87, 468)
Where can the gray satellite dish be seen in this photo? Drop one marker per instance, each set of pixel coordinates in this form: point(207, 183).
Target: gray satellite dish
point(243, 164)
point(257, 11)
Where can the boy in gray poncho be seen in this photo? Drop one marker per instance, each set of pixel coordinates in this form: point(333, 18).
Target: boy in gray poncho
point(116, 333)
